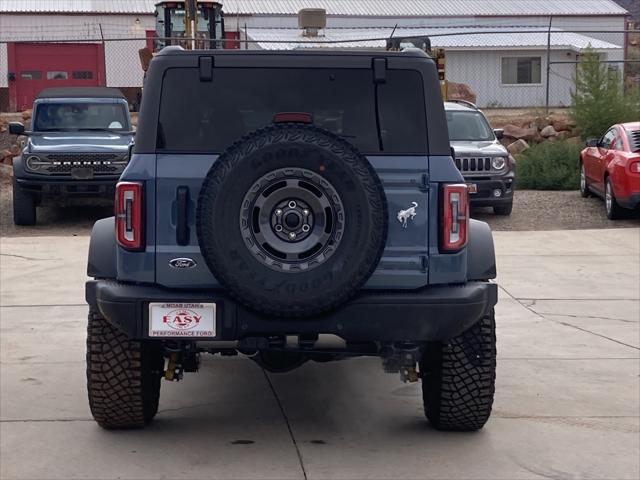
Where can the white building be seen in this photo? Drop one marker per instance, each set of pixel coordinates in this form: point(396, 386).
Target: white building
point(503, 60)
point(497, 47)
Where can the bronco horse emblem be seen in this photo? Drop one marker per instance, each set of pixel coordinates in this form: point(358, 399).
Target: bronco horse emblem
point(405, 215)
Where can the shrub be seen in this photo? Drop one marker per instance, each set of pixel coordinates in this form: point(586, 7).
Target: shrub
point(549, 166)
point(599, 100)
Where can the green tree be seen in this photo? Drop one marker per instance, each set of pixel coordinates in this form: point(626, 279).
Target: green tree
point(599, 99)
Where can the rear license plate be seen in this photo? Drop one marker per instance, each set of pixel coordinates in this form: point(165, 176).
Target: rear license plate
point(182, 319)
point(82, 173)
point(473, 188)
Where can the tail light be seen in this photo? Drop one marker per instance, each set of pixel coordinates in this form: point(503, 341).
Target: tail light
point(455, 217)
point(129, 226)
point(635, 167)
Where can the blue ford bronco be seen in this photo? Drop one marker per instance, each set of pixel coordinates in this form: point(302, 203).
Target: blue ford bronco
point(291, 207)
point(77, 147)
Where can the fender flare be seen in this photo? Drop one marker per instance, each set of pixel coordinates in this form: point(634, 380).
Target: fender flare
point(102, 250)
point(481, 255)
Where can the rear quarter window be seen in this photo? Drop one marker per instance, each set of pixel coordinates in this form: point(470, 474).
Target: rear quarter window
point(206, 117)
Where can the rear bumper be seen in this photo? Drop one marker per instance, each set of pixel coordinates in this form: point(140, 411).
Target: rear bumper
point(102, 188)
point(631, 202)
point(429, 314)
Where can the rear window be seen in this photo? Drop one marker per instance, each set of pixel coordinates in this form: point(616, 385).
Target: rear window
point(200, 116)
point(634, 140)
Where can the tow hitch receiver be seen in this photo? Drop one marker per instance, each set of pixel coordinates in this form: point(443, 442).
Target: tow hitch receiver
point(402, 358)
point(174, 371)
point(182, 359)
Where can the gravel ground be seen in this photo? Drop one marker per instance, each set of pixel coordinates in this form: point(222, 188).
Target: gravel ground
point(533, 210)
point(547, 210)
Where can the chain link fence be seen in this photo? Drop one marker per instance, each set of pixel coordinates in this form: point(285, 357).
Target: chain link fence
point(498, 67)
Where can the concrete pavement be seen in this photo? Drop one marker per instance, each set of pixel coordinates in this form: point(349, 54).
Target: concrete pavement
point(567, 399)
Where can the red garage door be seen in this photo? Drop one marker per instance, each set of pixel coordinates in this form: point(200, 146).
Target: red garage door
point(34, 66)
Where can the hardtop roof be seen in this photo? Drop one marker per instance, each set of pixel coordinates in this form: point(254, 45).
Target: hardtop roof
point(81, 92)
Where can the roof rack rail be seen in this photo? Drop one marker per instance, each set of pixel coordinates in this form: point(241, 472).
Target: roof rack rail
point(463, 102)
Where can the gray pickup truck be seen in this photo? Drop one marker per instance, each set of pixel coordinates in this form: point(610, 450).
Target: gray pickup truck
point(291, 207)
point(78, 146)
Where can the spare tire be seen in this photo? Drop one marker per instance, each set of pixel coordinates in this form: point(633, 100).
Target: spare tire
point(292, 220)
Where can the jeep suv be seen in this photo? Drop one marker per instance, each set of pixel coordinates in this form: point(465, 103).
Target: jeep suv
point(77, 147)
point(486, 165)
point(291, 207)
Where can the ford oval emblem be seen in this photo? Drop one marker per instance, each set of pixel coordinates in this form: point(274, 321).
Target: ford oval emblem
point(182, 263)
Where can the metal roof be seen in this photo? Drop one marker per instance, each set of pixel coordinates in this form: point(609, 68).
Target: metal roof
point(427, 8)
point(463, 38)
point(365, 8)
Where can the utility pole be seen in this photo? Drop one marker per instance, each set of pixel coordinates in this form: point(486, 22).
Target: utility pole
point(103, 81)
point(546, 103)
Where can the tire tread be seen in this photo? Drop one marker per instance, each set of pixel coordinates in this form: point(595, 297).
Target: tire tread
point(123, 380)
point(458, 379)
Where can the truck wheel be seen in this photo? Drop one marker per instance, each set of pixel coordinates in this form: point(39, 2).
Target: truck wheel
point(24, 206)
point(123, 376)
point(292, 220)
point(614, 211)
point(503, 209)
point(458, 378)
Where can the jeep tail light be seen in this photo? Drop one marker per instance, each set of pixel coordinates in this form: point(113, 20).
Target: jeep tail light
point(454, 217)
point(635, 167)
point(129, 225)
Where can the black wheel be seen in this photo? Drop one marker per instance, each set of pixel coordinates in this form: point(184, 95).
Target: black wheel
point(292, 220)
point(123, 376)
point(503, 209)
point(458, 378)
point(24, 206)
point(613, 210)
point(584, 186)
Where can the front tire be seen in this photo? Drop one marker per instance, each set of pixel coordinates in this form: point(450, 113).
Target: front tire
point(24, 206)
point(503, 210)
point(123, 376)
point(613, 210)
point(584, 186)
point(458, 378)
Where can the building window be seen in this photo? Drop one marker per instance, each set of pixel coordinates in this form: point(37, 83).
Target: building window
point(31, 75)
point(521, 70)
point(82, 75)
point(57, 75)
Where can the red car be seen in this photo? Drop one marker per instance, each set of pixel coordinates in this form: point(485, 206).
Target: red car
point(610, 168)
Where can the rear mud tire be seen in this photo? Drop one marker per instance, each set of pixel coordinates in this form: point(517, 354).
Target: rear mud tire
point(458, 378)
point(123, 376)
